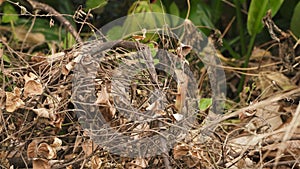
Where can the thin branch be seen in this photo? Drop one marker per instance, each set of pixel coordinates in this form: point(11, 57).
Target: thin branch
point(58, 16)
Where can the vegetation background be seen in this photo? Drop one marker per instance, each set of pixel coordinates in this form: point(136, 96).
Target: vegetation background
point(259, 53)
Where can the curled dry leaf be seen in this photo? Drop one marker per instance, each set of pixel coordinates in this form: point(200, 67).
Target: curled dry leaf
point(44, 150)
point(29, 76)
point(32, 85)
point(31, 150)
point(40, 164)
point(13, 101)
point(108, 110)
point(180, 150)
point(56, 144)
point(46, 113)
point(67, 68)
point(102, 96)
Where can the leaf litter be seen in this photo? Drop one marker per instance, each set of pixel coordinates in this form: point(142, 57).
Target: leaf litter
point(39, 127)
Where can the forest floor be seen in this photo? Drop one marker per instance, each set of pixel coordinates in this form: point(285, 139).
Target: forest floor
point(56, 114)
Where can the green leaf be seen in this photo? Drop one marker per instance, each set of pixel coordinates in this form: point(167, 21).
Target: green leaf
point(257, 10)
point(115, 33)
point(10, 14)
point(6, 58)
point(174, 9)
point(205, 103)
point(295, 22)
point(200, 15)
point(93, 4)
point(152, 49)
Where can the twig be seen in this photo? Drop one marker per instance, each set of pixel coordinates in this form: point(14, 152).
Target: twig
point(58, 16)
point(272, 99)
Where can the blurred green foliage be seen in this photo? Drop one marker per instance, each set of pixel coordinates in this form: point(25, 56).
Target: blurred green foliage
point(239, 19)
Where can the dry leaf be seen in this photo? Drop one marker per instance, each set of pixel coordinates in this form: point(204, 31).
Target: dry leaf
point(41, 164)
point(70, 156)
point(56, 144)
point(258, 53)
point(67, 68)
point(69, 167)
point(46, 151)
point(30, 76)
point(280, 80)
point(57, 122)
point(31, 150)
point(138, 163)
point(177, 117)
point(96, 162)
point(88, 147)
point(102, 96)
point(32, 38)
point(180, 150)
point(33, 87)
point(181, 88)
point(106, 108)
point(45, 113)
point(13, 101)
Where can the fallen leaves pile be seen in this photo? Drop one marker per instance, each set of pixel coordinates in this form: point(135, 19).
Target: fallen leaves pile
point(40, 128)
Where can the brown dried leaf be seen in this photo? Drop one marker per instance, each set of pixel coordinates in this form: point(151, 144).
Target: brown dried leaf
point(46, 151)
point(58, 121)
point(181, 88)
point(31, 150)
point(56, 144)
point(107, 109)
point(40, 164)
point(102, 96)
point(45, 113)
point(33, 87)
point(180, 150)
point(191, 161)
point(13, 101)
point(30, 76)
point(280, 80)
point(88, 147)
point(65, 70)
point(138, 163)
point(70, 156)
point(258, 53)
point(96, 162)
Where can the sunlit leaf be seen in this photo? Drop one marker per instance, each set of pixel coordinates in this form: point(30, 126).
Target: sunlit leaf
point(10, 14)
point(92, 4)
point(295, 22)
point(174, 9)
point(205, 103)
point(258, 10)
